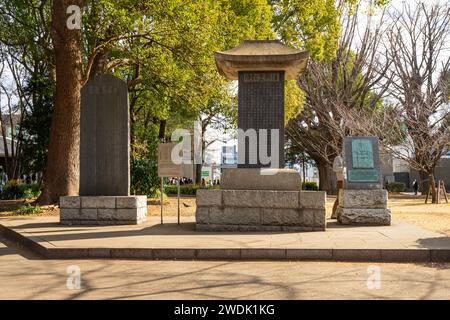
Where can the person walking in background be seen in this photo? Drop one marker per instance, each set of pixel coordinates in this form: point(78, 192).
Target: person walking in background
point(415, 186)
point(3, 179)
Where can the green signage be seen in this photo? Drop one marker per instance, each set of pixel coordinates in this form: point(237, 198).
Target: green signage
point(362, 154)
point(363, 175)
point(205, 173)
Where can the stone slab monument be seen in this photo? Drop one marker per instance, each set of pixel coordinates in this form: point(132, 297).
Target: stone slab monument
point(104, 196)
point(258, 195)
point(363, 201)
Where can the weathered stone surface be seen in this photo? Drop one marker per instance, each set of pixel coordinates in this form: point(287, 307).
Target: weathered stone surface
point(216, 227)
point(106, 214)
point(320, 218)
point(260, 199)
point(207, 198)
point(126, 214)
point(69, 202)
point(106, 202)
point(131, 202)
point(297, 228)
point(363, 198)
point(202, 215)
point(280, 217)
point(308, 217)
point(244, 216)
point(89, 202)
point(247, 228)
point(312, 199)
point(88, 214)
point(260, 179)
point(68, 214)
point(364, 216)
point(104, 138)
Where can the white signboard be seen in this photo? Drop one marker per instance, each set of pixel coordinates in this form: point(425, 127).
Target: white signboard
point(166, 166)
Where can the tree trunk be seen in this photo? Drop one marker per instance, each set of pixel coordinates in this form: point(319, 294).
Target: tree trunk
point(304, 168)
point(424, 182)
point(162, 130)
point(198, 173)
point(327, 178)
point(434, 197)
point(62, 174)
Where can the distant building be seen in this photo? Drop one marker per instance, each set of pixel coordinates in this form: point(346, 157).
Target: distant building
point(402, 172)
point(229, 157)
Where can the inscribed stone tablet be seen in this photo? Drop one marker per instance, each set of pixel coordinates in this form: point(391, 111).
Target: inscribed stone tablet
point(104, 138)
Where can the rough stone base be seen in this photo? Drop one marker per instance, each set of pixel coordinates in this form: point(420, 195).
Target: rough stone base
point(260, 210)
point(103, 210)
point(378, 217)
point(363, 207)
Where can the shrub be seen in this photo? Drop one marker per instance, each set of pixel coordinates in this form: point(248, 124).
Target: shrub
point(396, 187)
point(186, 189)
point(310, 185)
point(15, 190)
point(29, 209)
point(144, 178)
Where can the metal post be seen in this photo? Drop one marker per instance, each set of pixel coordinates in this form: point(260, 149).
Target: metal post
point(178, 187)
point(162, 200)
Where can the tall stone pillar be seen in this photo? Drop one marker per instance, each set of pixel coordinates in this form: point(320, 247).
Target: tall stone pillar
point(261, 66)
point(253, 197)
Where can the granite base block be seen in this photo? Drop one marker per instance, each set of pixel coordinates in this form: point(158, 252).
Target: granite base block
point(363, 207)
point(260, 210)
point(103, 210)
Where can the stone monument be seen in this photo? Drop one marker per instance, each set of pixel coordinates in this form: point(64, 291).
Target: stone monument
point(258, 195)
point(104, 196)
point(363, 201)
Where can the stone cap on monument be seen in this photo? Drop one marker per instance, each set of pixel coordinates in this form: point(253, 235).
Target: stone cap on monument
point(262, 55)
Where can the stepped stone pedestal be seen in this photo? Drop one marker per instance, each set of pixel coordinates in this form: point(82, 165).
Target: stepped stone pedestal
point(259, 195)
point(260, 210)
point(363, 207)
point(244, 205)
point(103, 210)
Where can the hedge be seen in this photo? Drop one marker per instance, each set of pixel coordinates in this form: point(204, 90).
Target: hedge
point(186, 189)
point(396, 187)
point(310, 185)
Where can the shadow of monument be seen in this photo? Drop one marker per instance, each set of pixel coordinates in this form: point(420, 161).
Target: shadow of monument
point(12, 248)
point(435, 243)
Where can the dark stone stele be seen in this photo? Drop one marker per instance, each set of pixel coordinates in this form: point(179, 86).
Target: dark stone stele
point(261, 106)
point(362, 160)
point(261, 66)
point(104, 138)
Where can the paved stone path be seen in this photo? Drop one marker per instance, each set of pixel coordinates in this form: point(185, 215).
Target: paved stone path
point(23, 275)
point(381, 243)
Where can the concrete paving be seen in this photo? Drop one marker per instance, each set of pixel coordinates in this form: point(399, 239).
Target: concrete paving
point(24, 275)
point(399, 242)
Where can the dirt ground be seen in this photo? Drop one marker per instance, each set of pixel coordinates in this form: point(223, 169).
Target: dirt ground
point(405, 207)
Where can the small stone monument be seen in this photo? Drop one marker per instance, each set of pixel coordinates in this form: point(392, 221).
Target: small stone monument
point(254, 197)
point(363, 201)
point(104, 159)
